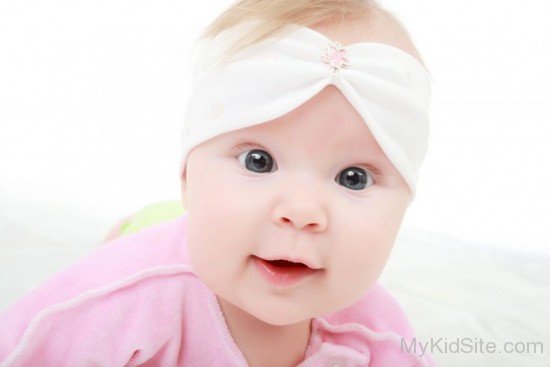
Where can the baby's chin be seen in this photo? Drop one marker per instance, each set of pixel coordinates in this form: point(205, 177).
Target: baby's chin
point(278, 316)
point(283, 308)
point(289, 311)
point(272, 310)
point(299, 310)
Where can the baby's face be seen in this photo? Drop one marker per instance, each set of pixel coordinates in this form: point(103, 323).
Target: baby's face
point(313, 184)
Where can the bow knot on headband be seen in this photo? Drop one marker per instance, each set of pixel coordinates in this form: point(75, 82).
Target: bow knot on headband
point(389, 88)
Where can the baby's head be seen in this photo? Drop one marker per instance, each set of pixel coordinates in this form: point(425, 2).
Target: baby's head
point(313, 183)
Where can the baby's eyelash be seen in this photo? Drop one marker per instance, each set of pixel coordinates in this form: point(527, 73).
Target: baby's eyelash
point(244, 146)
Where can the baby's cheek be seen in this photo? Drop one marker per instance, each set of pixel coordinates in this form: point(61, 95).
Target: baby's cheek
point(209, 255)
point(369, 261)
point(352, 273)
point(362, 258)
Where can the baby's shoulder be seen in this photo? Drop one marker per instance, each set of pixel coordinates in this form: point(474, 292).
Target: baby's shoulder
point(127, 260)
point(140, 283)
point(153, 254)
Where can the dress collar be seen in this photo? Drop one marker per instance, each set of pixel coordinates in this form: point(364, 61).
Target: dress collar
point(353, 344)
point(331, 345)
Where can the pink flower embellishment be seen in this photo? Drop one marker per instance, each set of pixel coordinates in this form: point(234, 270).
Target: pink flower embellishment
point(335, 56)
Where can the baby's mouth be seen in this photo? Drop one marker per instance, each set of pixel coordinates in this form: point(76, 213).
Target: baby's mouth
point(282, 272)
point(289, 262)
point(285, 263)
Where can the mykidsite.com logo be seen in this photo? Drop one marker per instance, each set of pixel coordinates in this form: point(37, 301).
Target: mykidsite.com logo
point(469, 345)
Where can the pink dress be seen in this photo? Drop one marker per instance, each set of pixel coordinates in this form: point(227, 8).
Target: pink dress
point(137, 302)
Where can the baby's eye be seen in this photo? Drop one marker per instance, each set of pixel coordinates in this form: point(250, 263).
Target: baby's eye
point(355, 178)
point(257, 160)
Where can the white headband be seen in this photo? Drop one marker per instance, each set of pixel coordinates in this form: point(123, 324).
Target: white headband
point(389, 88)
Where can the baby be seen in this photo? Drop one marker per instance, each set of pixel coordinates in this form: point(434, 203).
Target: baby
point(303, 139)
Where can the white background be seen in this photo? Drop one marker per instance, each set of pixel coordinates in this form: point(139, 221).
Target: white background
point(92, 95)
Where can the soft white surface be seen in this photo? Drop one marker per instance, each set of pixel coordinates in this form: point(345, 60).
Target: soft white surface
point(451, 288)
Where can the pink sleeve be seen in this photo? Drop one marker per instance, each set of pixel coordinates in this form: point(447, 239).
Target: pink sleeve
point(51, 327)
point(98, 311)
point(126, 322)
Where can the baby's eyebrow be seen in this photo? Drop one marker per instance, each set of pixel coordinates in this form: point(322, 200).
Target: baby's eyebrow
point(372, 168)
point(365, 157)
point(369, 158)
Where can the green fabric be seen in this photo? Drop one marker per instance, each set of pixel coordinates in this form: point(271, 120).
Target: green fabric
point(153, 214)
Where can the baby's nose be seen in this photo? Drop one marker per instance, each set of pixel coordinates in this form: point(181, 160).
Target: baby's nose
point(301, 216)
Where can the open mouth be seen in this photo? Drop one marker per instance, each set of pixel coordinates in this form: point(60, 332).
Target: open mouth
point(282, 272)
point(285, 263)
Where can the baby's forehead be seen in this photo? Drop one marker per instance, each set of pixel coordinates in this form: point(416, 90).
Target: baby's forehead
point(317, 141)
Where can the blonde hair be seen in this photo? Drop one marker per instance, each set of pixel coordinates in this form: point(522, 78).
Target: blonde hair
point(276, 15)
